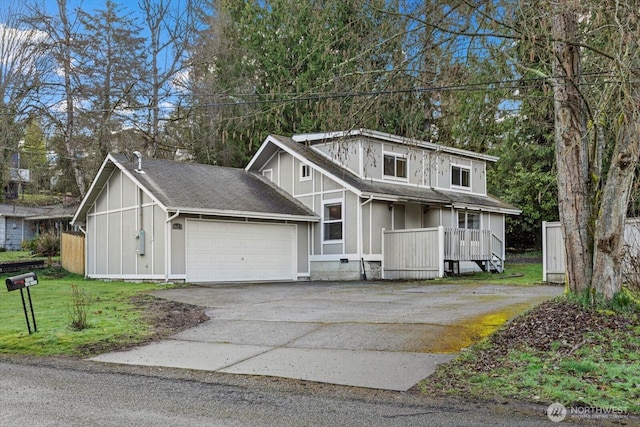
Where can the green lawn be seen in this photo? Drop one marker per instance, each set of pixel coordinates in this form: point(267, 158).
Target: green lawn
point(514, 274)
point(602, 371)
point(111, 316)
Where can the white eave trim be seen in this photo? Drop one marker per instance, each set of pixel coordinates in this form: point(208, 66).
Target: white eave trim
point(122, 169)
point(309, 137)
point(274, 140)
point(486, 208)
point(245, 214)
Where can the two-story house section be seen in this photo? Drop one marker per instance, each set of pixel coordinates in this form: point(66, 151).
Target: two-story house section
point(389, 207)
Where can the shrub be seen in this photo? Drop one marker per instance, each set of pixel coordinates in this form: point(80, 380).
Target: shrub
point(79, 308)
point(47, 244)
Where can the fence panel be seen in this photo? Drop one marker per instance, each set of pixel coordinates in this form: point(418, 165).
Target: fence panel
point(413, 254)
point(72, 252)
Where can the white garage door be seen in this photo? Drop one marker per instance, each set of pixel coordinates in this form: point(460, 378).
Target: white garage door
point(219, 251)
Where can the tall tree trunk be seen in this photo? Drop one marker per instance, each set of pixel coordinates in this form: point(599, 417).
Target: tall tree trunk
point(572, 149)
point(66, 59)
point(610, 224)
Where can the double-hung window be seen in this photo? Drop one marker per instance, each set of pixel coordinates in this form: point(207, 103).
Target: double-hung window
point(332, 221)
point(305, 172)
point(395, 165)
point(460, 177)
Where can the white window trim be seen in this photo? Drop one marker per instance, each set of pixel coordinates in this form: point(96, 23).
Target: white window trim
point(396, 156)
point(268, 173)
point(461, 167)
point(466, 218)
point(302, 168)
point(332, 202)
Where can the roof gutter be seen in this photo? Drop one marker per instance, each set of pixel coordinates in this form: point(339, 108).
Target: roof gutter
point(174, 216)
point(247, 214)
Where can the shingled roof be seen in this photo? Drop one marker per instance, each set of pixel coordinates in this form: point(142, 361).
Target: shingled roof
point(401, 192)
point(203, 189)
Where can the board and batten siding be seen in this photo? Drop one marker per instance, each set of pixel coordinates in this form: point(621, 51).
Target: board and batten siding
point(413, 253)
point(115, 219)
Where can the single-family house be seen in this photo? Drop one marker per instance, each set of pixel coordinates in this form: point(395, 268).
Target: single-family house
point(22, 223)
point(325, 206)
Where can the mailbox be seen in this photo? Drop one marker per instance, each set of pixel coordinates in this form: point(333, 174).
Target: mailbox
point(21, 281)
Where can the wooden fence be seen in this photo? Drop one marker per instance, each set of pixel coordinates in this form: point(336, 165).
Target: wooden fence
point(413, 254)
point(553, 253)
point(72, 252)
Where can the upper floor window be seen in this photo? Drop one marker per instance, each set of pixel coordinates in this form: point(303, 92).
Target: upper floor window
point(395, 166)
point(460, 177)
point(305, 172)
point(332, 221)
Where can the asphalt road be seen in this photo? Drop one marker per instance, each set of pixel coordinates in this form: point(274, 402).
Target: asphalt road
point(51, 392)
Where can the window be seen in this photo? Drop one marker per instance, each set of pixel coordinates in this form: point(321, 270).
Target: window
point(469, 220)
point(460, 177)
point(395, 166)
point(305, 172)
point(332, 220)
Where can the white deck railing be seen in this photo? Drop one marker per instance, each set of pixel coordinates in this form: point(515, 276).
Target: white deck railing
point(467, 245)
point(421, 253)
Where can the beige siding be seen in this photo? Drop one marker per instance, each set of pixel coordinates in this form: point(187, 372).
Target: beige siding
point(350, 217)
point(158, 240)
point(112, 229)
point(399, 212)
point(372, 159)
point(101, 256)
point(478, 177)
point(178, 248)
point(303, 248)
point(366, 228)
point(413, 215)
point(380, 218)
point(114, 240)
point(432, 217)
point(114, 194)
point(286, 172)
point(129, 255)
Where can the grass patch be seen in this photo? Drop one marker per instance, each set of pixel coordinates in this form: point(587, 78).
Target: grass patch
point(514, 274)
point(11, 256)
point(561, 352)
point(111, 316)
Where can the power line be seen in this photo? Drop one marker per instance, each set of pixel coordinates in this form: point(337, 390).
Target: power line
point(283, 98)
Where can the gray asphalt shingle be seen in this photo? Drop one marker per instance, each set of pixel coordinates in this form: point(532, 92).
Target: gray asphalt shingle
point(200, 187)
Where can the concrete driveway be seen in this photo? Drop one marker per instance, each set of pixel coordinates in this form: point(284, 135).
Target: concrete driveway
point(377, 335)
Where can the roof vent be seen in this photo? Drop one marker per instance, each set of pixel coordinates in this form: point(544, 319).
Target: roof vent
point(139, 159)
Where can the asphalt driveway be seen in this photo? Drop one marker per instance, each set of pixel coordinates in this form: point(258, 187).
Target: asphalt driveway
point(376, 335)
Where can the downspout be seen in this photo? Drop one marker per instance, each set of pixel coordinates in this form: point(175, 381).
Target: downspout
point(174, 216)
point(360, 236)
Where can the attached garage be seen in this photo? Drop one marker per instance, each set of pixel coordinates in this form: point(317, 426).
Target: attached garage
point(156, 219)
point(225, 251)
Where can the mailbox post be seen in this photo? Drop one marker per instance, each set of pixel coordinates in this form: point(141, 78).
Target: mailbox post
point(21, 282)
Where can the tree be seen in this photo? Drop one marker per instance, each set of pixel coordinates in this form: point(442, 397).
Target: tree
point(291, 67)
point(109, 66)
point(60, 44)
point(21, 71)
point(172, 28)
